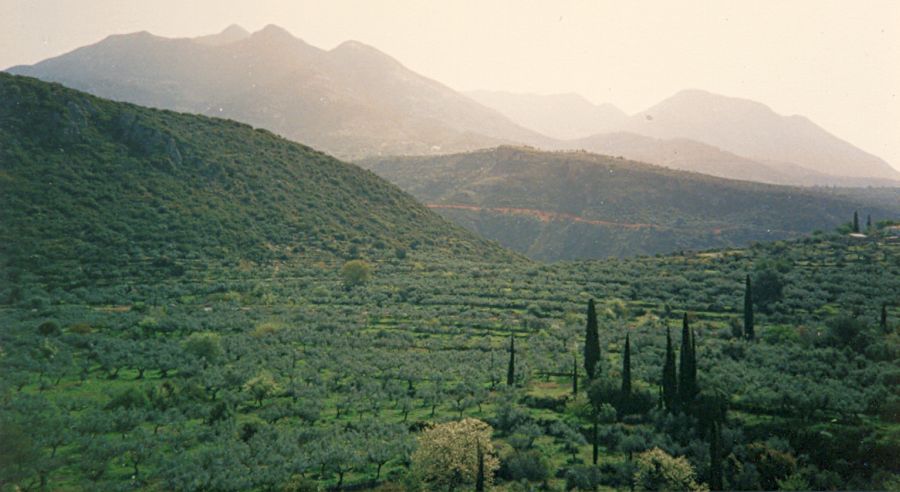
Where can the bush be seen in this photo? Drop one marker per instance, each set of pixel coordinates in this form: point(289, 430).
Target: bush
point(49, 328)
point(130, 398)
point(206, 346)
point(81, 329)
point(657, 470)
point(447, 456)
point(355, 273)
point(583, 477)
point(525, 465)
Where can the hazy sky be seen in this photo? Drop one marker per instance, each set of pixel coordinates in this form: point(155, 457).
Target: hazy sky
point(837, 62)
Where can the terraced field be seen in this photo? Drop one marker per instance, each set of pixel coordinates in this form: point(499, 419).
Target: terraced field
point(258, 377)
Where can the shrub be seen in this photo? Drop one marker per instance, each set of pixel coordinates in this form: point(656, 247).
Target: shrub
point(657, 470)
point(525, 465)
point(355, 273)
point(49, 328)
point(583, 477)
point(81, 329)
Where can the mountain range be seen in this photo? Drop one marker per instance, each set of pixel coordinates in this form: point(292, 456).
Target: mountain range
point(350, 101)
point(700, 131)
point(576, 205)
point(94, 190)
point(354, 101)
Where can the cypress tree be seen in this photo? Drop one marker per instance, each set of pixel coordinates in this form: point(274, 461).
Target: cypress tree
point(669, 377)
point(511, 370)
point(693, 378)
point(884, 326)
point(595, 455)
point(591, 342)
point(479, 480)
point(574, 373)
point(626, 369)
point(715, 458)
point(687, 373)
point(749, 333)
point(855, 221)
point(868, 221)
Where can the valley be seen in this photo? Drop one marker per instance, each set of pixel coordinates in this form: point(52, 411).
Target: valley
point(240, 261)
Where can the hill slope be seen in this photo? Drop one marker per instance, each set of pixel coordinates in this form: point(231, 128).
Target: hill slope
point(92, 188)
point(576, 205)
point(350, 101)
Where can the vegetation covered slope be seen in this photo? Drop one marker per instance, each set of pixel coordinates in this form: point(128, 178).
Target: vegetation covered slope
point(280, 378)
point(577, 205)
point(350, 101)
point(94, 189)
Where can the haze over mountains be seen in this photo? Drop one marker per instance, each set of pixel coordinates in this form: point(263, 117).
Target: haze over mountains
point(354, 101)
point(561, 116)
point(699, 131)
point(351, 101)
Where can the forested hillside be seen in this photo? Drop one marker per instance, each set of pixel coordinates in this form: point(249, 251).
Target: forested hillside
point(575, 205)
point(96, 191)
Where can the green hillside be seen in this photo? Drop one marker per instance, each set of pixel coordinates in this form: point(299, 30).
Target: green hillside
point(575, 205)
point(280, 379)
point(92, 189)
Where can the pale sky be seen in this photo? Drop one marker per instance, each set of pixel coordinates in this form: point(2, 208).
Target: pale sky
point(836, 62)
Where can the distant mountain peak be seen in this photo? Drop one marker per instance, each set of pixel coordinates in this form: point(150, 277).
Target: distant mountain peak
point(272, 31)
point(131, 36)
point(754, 130)
point(360, 54)
point(235, 29)
point(230, 34)
point(351, 44)
point(711, 99)
point(563, 115)
point(358, 47)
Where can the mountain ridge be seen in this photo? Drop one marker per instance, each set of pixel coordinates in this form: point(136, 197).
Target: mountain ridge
point(351, 101)
point(355, 101)
point(570, 205)
point(750, 130)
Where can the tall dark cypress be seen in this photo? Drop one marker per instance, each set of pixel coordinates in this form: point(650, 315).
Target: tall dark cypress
point(884, 326)
point(694, 387)
point(715, 457)
point(669, 377)
point(686, 373)
point(511, 370)
point(591, 342)
point(626, 369)
point(574, 373)
point(749, 332)
point(479, 479)
point(855, 221)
